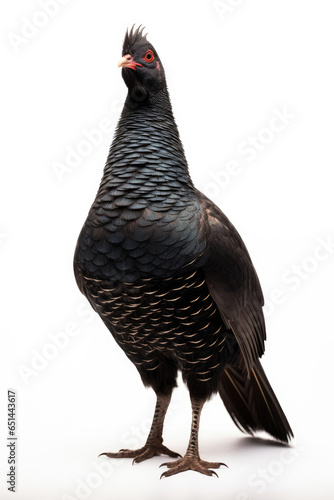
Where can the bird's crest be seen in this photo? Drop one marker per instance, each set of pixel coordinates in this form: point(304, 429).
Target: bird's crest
point(133, 36)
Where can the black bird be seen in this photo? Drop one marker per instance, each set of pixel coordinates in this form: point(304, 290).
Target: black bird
point(169, 274)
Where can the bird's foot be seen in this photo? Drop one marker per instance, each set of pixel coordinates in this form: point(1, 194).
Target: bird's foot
point(148, 451)
point(191, 462)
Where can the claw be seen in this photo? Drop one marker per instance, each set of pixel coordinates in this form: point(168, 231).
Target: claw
point(147, 451)
point(191, 462)
point(164, 464)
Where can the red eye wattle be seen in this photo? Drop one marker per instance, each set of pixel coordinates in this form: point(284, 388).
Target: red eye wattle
point(149, 56)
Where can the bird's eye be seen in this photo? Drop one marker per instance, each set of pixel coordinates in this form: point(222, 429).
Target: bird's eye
point(149, 56)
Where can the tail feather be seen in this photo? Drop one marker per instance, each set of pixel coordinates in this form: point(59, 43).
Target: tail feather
point(252, 403)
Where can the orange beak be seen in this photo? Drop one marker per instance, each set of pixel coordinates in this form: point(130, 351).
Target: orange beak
point(128, 62)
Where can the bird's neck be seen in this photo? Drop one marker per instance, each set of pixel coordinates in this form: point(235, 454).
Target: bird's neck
point(147, 147)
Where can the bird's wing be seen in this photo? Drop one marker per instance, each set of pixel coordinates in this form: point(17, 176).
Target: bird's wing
point(233, 282)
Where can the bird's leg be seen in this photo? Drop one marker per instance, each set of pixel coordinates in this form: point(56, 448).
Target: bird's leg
point(192, 460)
point(153, 445)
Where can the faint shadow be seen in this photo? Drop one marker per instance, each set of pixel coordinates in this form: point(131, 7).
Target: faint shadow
point(246, 444)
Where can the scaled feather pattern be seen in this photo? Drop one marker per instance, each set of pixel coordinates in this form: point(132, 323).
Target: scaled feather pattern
point(169, 274)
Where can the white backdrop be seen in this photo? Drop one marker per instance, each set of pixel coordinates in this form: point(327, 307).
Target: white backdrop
point(251, 83)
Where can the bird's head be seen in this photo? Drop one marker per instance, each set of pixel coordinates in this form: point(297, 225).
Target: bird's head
point(142, 70)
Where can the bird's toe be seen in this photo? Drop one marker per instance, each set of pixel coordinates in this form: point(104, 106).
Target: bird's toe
point(147, 451)
point(190, 462)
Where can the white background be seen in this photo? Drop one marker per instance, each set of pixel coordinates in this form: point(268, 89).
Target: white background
point(228, 67)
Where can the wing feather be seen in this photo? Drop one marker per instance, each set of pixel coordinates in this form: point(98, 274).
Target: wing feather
point(233, 282)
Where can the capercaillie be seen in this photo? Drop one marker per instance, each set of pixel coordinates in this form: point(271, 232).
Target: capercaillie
point(169, 275)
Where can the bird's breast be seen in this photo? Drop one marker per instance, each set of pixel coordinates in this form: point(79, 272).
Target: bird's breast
point(176, 315)
point(126, 240)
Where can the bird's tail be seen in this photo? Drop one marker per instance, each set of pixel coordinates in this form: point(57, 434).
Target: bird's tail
point(252, 403)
